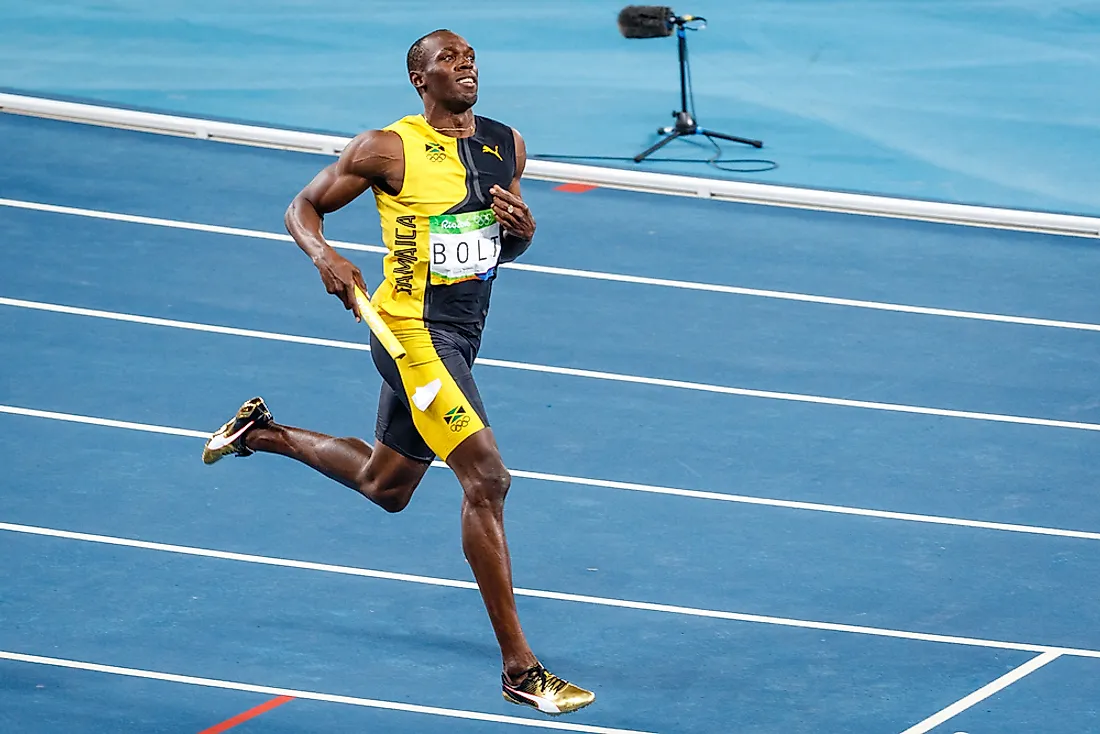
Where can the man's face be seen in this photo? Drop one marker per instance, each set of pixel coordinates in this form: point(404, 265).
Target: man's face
point(450, 74)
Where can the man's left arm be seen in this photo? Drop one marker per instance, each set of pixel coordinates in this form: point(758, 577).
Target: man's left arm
point(517, 224)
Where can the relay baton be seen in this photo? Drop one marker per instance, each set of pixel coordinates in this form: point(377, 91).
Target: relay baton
point(378, 326)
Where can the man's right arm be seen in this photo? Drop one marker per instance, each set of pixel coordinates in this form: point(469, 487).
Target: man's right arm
point(373, 157)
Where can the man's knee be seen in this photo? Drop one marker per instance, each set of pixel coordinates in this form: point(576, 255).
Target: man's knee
point(389, 478)
point(488, 487)
point(390, 499)
point(394, 500)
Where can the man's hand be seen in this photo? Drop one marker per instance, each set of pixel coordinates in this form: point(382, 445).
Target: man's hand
point(512, 213)
point(340, 277)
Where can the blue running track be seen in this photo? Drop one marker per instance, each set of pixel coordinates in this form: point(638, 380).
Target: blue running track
point(658, 432)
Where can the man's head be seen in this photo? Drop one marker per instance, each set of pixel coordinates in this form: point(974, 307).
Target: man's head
point(441, 67)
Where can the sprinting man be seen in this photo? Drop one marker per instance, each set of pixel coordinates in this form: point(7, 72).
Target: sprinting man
point(447, 187)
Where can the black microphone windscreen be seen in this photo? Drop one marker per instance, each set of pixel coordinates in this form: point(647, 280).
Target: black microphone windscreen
point(645, 21)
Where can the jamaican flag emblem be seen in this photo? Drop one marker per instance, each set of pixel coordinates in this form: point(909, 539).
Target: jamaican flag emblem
point(456, 418)
point(434, 152)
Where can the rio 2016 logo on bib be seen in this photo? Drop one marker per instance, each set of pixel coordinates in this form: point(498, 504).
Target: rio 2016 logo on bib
point(463, 247)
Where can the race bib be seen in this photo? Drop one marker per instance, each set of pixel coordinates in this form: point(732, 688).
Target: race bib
point(463, 246)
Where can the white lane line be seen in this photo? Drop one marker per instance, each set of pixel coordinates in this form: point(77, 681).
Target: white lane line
point(809, 506)
point(170, 223)
point(542, 594)
point(570, 371)
point(983, 693)
point(310, 695)
point(89, 420)
point(790, 397)
point(807, 298)
point(175, 324)
point(576, 272)
point(630, 486)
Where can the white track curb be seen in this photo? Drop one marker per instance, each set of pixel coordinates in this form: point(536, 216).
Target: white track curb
point(658, 183)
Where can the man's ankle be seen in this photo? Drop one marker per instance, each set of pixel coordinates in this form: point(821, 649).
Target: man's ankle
point(516, 674)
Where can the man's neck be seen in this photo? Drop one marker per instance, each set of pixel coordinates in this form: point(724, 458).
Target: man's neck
point(452, 124)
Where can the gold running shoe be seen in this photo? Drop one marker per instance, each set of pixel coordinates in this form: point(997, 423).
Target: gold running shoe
point(547, 692)
point(229, 439)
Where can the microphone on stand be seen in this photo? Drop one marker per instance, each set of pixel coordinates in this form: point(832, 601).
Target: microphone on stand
point(651, 21)
point(658, 21)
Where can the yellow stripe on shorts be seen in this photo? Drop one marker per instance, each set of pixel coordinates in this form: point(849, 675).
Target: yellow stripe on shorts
point(441, 412)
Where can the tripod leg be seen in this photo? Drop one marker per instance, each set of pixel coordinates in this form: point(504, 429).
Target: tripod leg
point(723, 136)
point(656, 146)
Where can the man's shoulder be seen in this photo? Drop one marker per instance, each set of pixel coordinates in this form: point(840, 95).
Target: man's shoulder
point(372, 153)
point(368, 140)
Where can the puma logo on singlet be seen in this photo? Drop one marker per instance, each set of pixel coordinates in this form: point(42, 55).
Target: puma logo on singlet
point(495, 151)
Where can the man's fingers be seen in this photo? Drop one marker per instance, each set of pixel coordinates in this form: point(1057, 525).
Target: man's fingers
point(517, 225)
point(358, 276)
point(504, 193)
point(363, 288)
point(518, 220)
point(355, 309)
point(508, 197)
point(518, 207)
point(346, 295)
point(510, 221)
point(518, 215)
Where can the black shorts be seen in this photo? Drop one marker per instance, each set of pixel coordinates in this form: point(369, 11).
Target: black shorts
point(429, 403)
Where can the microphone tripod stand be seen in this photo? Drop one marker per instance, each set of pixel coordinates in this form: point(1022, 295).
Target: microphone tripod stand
point(685, 124)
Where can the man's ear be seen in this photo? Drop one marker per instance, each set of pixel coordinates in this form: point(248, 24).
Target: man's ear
point(417, 79)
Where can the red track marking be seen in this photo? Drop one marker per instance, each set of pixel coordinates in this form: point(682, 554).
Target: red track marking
point(575, 188)
point(252, 713)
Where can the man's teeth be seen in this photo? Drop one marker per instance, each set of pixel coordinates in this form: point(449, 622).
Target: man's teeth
point(467, 81)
